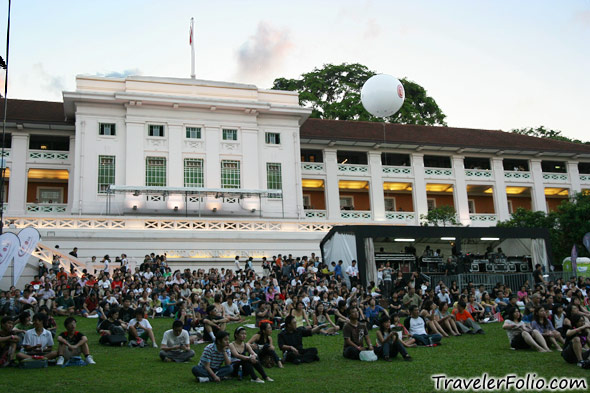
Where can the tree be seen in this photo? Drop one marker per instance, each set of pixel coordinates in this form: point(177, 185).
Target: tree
point(441, 215)
point(542, 132)
point(566, 226)
point(334, 92)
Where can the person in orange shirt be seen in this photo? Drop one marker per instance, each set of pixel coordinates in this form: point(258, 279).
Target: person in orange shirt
point(61, 274)
point(465, 321)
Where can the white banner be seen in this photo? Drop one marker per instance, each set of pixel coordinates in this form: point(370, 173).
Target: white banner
point(9, 245)
point(29, 237)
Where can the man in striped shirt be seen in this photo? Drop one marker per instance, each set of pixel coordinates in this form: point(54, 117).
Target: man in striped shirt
point(210, 367)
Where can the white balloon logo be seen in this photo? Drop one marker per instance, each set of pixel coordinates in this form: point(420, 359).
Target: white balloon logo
point(382, 95)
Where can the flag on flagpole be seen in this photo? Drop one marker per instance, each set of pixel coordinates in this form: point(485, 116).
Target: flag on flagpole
point(190, 37)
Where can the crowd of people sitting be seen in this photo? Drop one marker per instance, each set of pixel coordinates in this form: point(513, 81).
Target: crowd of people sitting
point(300, 296)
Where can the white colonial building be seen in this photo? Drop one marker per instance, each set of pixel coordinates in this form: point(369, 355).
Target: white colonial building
point(207, 170)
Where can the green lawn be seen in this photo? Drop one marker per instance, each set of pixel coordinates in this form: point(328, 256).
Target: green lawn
point(140, 370)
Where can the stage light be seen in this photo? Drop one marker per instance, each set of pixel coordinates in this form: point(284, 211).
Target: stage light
point(490, 238)
point(404, 240)
point(447, 238)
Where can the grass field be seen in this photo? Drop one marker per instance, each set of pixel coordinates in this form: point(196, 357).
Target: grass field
point(140, 369)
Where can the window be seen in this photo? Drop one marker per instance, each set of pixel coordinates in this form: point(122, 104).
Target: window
point(307, 201)
point(471, 205)
point(155, 130)
point(106, 129)
point(155, 171)
point(50, 195)
point(230, 134)
point(389, 204)
point(431, 203)
point(230, 174)
point(346, 203)
point(193, 172)
point(274, 179)
point(272, 138)
point(106, 173)
point(193, 132)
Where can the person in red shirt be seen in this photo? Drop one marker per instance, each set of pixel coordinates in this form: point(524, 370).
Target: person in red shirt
point(90, 305)
point(72, 343)
point(465, 320)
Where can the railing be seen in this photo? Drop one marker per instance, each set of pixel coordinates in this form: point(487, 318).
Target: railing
point(355, 215)
point(483, 217)
point(585, 178)
point(48, 155)
point(556, 177)
point(315, 214)
point(479, 173)
point(438, 172)
point(404, 171)
point(518, 175)
point(400, 216)
point(313, 167)
point(353, 168)
point(46, 207)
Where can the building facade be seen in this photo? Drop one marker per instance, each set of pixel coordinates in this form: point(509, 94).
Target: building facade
point(189, 167)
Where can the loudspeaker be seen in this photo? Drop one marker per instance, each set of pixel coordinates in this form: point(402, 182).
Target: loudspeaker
point(512, 267)
point(474, 267)
point(524, 267)
point(490, 267)
point(501, 267)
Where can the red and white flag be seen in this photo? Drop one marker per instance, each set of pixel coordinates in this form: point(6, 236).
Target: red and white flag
point(190, 37)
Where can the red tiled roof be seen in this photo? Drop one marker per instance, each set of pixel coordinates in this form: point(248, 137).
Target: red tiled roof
point(339, 130)
point(28, 111)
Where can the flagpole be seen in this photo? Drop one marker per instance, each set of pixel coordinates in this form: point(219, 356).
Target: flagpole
point(192, 42)
point(2, 159)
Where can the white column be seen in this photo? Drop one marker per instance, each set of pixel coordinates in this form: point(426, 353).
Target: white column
point(538, 194)
point(134, 154)
point(17, 186)
point(500, 197)
point(332, 190)
point(71, 174)
point(574, 174)
point(212, 164)
point(419, 187)
point(252, 169)
point(75, 182)
point(376, 186)
point(461, 200)
point(175, 159)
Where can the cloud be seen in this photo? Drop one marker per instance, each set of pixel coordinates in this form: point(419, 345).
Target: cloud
point(121, 74)
point(582, 18)
point(49, 82)
point(263, 52)
point(372, 29)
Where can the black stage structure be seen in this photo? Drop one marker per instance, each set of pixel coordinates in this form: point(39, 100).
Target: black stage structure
point(464, 245)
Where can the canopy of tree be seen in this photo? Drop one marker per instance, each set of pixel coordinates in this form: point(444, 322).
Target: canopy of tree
point(542, 132)
point(443, 215)
point(567, 225)
point(334, 92)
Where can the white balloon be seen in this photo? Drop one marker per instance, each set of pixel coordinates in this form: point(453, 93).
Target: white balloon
point(382, 95)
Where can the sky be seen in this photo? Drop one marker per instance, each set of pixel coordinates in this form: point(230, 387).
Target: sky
point(488, 64)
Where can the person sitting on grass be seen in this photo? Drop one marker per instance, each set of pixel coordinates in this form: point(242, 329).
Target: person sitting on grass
point(65, 304)
point(465, 321)
point(246, 357)
point(576, 349)
point(126, 313)
point(428, 313)
point(291, 343)
point(231, 310)
point(38, 342)
point(112, 326)
point(544, 326)
point(213, 323)
point(140, 329)
point(417, 328)
point(372, 313)
point(322, 319)
point(24, 324)
point(175, 346)
point(446, 320)
point(521, 335)
point(50, 323)
point(354, 333)
point(8, 341)
point(262, 343)
point(389, 344)
point(403, 334)
point(210, 367)
point(90, 306)
point(72, 343)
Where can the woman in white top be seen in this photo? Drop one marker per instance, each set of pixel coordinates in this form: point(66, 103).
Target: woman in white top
point(521, 335)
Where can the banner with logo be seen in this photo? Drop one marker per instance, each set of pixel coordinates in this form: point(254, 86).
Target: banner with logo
point(9, 245)
point(28, 237)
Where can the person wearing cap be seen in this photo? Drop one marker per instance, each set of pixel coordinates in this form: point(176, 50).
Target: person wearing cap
point(175, 346)
point(211, 366)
